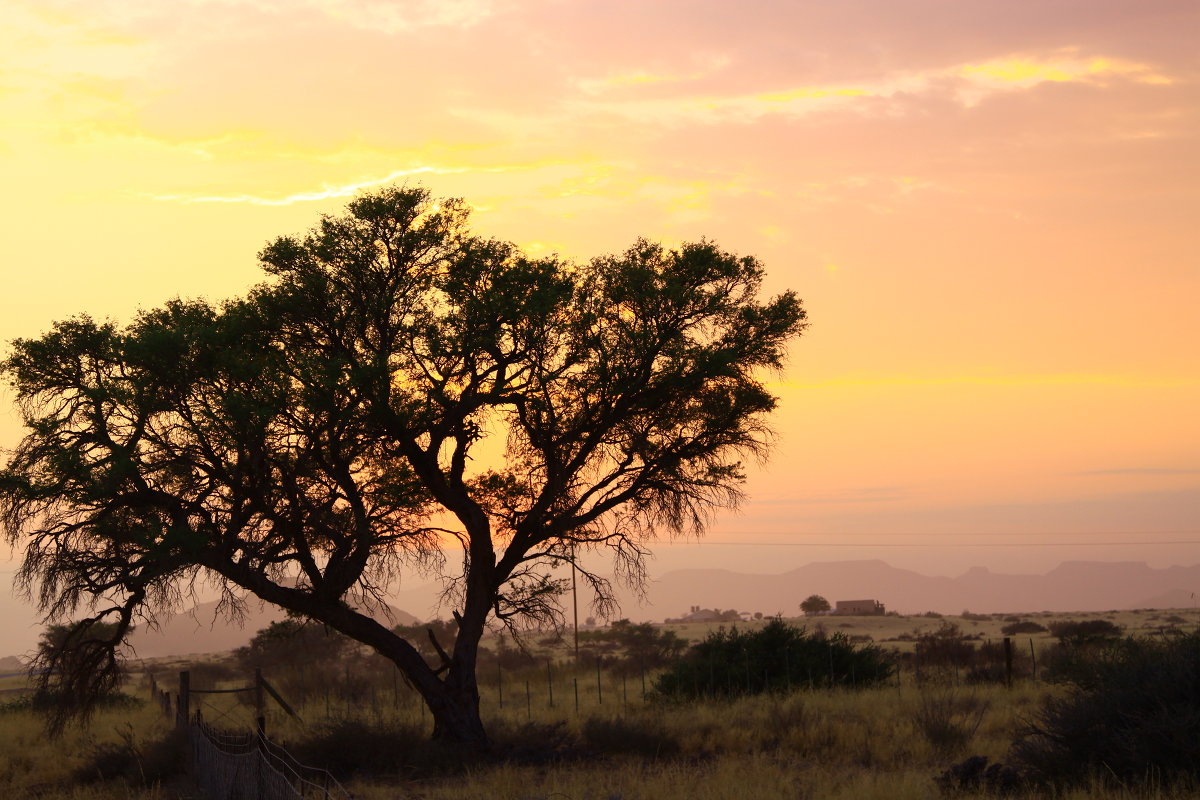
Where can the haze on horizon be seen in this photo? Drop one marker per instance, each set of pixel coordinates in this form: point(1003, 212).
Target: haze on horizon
point(989, 208)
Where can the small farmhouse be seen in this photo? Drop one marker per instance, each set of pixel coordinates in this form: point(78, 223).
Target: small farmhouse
point(859, 608)
point(698, 614)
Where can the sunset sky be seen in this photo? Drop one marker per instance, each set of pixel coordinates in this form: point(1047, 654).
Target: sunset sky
point(991, 209)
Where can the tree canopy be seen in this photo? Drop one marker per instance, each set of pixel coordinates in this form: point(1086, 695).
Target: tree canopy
point(814, 604)
point(315, 439)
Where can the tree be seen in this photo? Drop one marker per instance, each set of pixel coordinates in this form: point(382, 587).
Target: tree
point(814, 604)
point(67, 654)
point(307, 443)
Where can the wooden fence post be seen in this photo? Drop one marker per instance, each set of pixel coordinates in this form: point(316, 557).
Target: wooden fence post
point(183, 711)
point(1008, 661)
point(260, 710)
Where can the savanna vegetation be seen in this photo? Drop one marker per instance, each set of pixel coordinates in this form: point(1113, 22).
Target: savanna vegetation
point(566, 730)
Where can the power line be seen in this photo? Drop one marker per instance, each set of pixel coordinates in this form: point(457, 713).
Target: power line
point(943, 544)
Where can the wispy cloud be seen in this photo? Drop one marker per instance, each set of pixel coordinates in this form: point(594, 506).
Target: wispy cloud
point(969, 83)
point(325, 193)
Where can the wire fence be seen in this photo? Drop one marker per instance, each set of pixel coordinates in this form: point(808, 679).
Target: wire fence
point(249, 766)
point(242, 765)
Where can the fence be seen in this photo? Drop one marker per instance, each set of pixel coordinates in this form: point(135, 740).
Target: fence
point(243, 765)
point(249, 766)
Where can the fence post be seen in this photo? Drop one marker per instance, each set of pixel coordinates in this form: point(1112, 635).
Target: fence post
point(1008, 661)
point(1033, 657)
point(599, 691)
point(183, 711)
point(260, 711)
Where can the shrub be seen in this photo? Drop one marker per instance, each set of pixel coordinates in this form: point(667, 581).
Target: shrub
point(144, 763)
point(730, 662)
point(949, 719)
point(1022, 626)
point(1134, 715)
point(1084, 631)
point(945, 647)
point(976, 775)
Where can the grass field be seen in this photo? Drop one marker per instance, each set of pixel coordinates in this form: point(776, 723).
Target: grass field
point(887, 742)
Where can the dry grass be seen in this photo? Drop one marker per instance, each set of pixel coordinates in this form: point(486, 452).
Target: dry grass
point(843, 745)
point(32, 765)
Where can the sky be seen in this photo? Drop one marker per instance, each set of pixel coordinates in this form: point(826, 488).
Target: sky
point(991, 209)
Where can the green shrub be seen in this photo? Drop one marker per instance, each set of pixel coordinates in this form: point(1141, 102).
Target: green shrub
point(1022, 626)
point(777, 657)
point(1132, 717)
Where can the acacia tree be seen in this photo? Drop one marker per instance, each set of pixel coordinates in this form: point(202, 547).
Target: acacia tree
point(814, 604)
point(310, 442)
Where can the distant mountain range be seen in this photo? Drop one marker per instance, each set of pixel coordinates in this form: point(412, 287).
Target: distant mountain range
point(1072, 586)
point(203, 630)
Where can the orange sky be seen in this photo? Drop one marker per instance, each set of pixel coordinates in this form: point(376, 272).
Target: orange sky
point(990, 208)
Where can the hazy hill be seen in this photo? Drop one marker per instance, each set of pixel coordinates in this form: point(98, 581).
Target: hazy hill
point(1072, 586)
point(202, 630)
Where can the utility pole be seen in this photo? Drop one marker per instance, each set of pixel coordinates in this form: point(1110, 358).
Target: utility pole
point(575, 602)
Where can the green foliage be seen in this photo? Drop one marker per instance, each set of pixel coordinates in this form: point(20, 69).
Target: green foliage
point(628, 648)
point(1132, 715)
point(777, 657)
point(1022, 626)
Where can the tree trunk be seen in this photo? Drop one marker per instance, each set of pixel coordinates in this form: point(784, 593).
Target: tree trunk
point(456, 718)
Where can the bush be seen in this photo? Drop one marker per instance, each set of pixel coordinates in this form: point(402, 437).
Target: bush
point(1022, 626)
point(1084, 631)
point(730, 662)
point(628, 648)
point(945, 647)
point(144, 763)
point(1134, 716)
point(948, 720)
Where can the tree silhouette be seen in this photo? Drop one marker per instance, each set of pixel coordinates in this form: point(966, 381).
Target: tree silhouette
point(310, 442)
point(814, 604)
